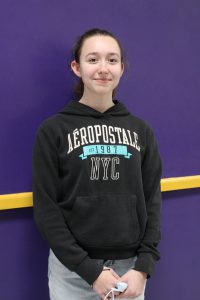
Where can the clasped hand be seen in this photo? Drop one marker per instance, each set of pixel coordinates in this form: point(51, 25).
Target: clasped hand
point(108, 279)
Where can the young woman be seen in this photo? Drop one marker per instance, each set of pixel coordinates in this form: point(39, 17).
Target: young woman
point(96, 183)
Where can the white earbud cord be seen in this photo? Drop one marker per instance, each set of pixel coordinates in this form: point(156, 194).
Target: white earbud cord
point(110, 292)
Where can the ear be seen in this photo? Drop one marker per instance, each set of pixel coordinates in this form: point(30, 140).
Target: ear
point(75, 68)
point(122, 68)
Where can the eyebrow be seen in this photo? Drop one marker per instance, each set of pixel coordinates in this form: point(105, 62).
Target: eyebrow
point(96, 53)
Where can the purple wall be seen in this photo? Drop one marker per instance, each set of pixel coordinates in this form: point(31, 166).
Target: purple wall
point(161, 86)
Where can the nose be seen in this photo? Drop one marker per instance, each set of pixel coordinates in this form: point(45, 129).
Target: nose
point(103, 67)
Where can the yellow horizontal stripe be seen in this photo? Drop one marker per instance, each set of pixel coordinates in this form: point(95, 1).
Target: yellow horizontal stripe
point(16, 200)
point(20, 200)
point(180, 183)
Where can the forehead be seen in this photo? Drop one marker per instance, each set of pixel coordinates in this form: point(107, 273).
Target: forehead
point(100, 44)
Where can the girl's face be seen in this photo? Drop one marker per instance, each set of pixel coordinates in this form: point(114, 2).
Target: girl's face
point(100, 66)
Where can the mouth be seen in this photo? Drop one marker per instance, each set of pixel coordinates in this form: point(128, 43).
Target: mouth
point(103, 80)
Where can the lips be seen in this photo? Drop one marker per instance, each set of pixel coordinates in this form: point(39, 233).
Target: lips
point(102, 79)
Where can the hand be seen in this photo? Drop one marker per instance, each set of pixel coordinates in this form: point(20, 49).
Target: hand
point(136, 284)
point(106, 280)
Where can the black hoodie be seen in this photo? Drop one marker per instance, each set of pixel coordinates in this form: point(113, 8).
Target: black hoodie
point(96, 188)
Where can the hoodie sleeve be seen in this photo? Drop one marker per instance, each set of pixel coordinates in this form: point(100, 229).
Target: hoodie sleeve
point(151, 175)
point(47, 213)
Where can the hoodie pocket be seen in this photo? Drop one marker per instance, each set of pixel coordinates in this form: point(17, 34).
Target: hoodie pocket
point(105, 220)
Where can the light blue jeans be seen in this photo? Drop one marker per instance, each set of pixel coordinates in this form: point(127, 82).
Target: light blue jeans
point(67, 285)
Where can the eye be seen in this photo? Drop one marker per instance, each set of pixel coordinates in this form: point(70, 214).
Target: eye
point(92, 60)
point(113, 60)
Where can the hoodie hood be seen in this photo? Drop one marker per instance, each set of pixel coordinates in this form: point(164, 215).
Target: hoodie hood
point(80, 109)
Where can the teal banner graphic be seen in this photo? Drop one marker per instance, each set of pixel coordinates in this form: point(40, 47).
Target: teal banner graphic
point(105, 150)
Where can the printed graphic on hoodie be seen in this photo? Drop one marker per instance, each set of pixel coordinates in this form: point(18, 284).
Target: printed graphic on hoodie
point(103, 140)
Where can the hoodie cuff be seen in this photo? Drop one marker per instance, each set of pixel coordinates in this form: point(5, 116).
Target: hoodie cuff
point(145, 263)
point(90, 269)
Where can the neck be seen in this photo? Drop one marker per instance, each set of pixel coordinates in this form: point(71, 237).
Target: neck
point(100, 103)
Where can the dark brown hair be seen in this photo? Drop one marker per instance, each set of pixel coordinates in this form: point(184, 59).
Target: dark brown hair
point(79, 88)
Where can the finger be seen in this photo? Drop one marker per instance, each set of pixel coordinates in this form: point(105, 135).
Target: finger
point(120, 296)
point(114, 274)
